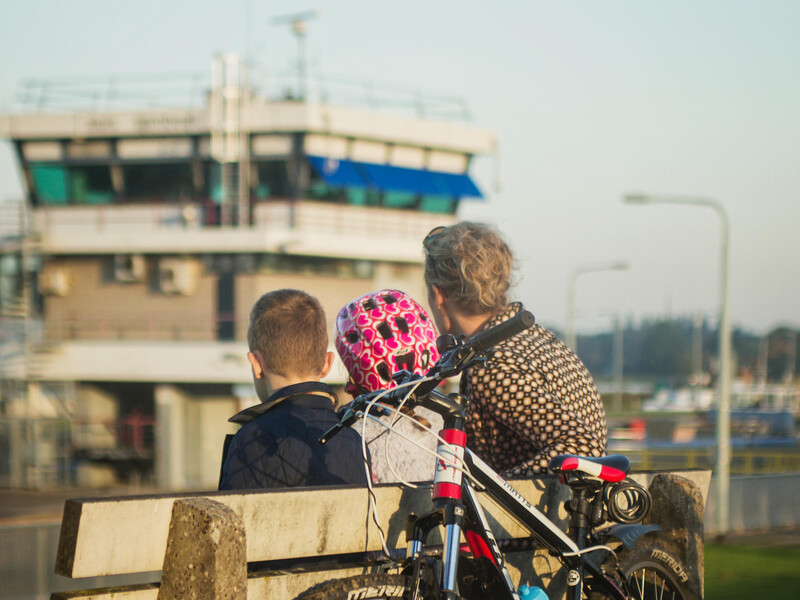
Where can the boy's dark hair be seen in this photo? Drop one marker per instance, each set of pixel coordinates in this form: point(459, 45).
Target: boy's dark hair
point(288, 328)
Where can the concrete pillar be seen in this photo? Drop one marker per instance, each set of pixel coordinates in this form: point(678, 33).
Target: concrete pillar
point(678, 509)
point(170, 433)
point(207, 426)
point(206, 555)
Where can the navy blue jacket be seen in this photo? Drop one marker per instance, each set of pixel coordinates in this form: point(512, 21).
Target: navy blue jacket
point(278, 446)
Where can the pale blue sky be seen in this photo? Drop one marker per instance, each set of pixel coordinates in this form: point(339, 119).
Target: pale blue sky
point(590, 100)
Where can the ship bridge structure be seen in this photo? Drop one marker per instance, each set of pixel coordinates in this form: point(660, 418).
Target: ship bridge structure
point(146, 234)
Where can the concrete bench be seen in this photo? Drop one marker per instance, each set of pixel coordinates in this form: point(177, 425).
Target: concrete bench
point(276, 544)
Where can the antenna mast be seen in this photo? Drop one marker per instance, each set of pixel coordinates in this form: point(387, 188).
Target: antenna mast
point(298, 22)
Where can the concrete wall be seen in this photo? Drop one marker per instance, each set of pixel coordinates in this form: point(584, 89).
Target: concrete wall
point(97, 307)
point(333, 292)
point(758, 503)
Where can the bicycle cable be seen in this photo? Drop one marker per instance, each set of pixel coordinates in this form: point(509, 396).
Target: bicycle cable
point(399, 415)
point(373, 502)
point(589, 549)
point(449, 461)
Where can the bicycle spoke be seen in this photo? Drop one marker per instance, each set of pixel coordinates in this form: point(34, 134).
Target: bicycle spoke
point(661, 584)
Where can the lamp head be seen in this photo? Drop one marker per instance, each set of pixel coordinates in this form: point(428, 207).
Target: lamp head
point(636, 199)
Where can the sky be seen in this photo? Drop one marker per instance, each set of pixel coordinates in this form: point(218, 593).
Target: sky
point(590, 100)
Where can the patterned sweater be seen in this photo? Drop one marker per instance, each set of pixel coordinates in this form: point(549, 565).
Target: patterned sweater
point(534, 400)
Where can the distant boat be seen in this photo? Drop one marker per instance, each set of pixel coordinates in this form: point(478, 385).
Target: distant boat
point(760, 414)
point(744, 396)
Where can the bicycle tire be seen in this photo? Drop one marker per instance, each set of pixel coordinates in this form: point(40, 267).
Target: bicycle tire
point(653, 572)
point(375, 586)
point(650, 573)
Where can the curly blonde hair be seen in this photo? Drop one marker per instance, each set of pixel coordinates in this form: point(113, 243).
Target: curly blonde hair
point(471, 264)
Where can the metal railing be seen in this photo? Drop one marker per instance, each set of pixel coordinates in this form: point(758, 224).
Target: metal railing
point(35, 452)
point(353, 221)
point(308, 216)
point(146, 329)
point(189, 90)
point(750, 461)
point(13, 221)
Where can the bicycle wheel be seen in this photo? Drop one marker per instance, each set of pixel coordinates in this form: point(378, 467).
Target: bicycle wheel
point(653, 573)
point(376, 586)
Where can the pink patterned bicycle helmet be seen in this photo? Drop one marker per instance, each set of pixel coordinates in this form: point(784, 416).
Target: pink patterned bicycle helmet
point(380, 334)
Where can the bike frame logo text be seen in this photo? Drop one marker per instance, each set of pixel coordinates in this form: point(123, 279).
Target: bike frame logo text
point(673, 564)
point(382, 591)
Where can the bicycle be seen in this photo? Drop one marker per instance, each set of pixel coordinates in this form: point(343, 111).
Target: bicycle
point(601, 493)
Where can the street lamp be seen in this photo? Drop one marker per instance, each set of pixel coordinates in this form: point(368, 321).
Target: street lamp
point(619, 265)
point(724, 406)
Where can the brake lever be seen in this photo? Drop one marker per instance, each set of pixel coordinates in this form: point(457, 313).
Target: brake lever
point(346, 418)
point(460, 360)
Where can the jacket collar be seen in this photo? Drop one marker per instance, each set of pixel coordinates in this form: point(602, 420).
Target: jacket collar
point(510, 311)
point(313, 388)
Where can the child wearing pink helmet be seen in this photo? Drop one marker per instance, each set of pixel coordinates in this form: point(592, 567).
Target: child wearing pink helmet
point(376, 336)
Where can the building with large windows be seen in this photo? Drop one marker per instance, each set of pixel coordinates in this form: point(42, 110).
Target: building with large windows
point(147, 234)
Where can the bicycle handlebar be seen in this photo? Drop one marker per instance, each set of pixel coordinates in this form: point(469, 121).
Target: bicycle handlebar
point(452, 362)
point(483, 341)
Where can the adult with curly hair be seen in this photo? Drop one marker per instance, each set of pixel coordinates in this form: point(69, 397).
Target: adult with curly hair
point(534, 399)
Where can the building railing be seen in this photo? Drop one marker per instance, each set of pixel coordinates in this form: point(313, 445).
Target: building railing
point(12, 221)
point(324, 217)
point(66, 220)
point(35, 452)
point(303, 216)
point(150, 329)
point(189, 89)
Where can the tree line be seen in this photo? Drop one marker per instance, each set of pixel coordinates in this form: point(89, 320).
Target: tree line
point(677, 349)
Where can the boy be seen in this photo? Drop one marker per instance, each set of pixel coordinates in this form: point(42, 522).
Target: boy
point(278, 444)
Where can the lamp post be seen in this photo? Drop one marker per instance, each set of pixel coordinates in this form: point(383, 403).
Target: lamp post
point(619, 265)
point(724, 404)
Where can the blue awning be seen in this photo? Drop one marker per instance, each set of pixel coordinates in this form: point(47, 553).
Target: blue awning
point(337, 172)
point(347, 173)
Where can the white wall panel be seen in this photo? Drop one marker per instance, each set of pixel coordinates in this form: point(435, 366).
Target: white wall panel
point(271, 145)
point(447, 162)
point(407, 156)
point(35, 151)
point(155, 148)
point(326, 145)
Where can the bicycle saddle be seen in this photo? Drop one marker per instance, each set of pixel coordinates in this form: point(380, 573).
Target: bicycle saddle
point(613, 467)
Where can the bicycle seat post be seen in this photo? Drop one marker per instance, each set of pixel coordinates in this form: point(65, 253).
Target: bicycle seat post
point(581, 508)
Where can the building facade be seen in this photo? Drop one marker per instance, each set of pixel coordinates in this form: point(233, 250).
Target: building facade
point(146, 236)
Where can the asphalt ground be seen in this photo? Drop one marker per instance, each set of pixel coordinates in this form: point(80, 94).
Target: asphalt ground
point(28, 507)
